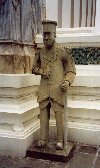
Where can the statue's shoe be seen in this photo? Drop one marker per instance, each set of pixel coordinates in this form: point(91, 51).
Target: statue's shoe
point(40, 143)
point(59, 146)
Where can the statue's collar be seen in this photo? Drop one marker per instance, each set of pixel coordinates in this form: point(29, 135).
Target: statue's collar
point(52, 48)
point(49, 60)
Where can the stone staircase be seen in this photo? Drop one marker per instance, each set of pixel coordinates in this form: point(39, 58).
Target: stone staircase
point(84, 105)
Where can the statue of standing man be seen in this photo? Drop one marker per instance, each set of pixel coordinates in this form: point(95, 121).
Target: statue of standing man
point(57, 69)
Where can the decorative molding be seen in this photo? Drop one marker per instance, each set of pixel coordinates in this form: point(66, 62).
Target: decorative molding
point(12, 48)
point(76, 37)
point(86, 56)
point(19, 123)
point(16, 57)
point(15, 143)
point(75, 44)
point(18, 80)
point(15, 3)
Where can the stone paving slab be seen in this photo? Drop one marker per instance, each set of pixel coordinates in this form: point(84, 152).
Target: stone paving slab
point(84, 156)
point(82, 160)
point(97, 164)
point(8, 162)
point(88, 149)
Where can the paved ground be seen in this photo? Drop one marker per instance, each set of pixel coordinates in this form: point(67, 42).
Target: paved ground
point(83, 157)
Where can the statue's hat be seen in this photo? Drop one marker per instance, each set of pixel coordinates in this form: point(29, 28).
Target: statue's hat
point(49, 26)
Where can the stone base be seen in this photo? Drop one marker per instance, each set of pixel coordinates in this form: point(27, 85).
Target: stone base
point(16, 146)
point(19, 123)
point(50, 153)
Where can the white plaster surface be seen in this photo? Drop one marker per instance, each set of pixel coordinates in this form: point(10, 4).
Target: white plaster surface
point(52, 5)
point(16, 143)
point(97, 21)
point(66, 11)
point(18, 80)
point(87, 75)
point(72, 37)
point(19, 111)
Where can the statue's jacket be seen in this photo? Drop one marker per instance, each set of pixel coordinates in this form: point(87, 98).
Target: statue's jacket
point(62, 68)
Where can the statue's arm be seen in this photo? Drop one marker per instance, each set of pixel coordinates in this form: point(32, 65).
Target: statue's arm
point(36, 69)
point(69, 68)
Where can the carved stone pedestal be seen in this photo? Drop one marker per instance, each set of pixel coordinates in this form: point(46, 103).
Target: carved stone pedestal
point(50, 153)
point(19, 123)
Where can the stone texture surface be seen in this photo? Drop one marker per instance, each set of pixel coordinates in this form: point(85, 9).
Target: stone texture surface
point(16, 58)
point(18, 20)
point(84, 156)
point(49, 152)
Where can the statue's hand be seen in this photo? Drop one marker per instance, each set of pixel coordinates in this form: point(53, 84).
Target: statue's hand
point(39, 71)
point(46, 72)
point(35, 70)
point(64, 86)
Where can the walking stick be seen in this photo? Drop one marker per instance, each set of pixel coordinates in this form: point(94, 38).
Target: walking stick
point(65, 123)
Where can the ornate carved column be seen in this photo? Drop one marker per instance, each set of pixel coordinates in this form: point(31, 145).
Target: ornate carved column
point(20, 20)
point(17, 29)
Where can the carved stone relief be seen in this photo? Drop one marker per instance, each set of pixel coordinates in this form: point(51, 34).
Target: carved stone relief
point(16, 58)
point(86, 55)
point(17, 20)
point(15, 4)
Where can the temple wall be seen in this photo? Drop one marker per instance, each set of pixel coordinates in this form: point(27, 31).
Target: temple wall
point(20, 21)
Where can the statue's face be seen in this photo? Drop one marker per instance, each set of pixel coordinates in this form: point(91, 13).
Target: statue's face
point(49, 39)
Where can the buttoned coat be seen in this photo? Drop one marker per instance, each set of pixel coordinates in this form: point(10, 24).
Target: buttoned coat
point(62, 68)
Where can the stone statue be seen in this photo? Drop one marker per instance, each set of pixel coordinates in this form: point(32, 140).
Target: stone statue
point(57, 69)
